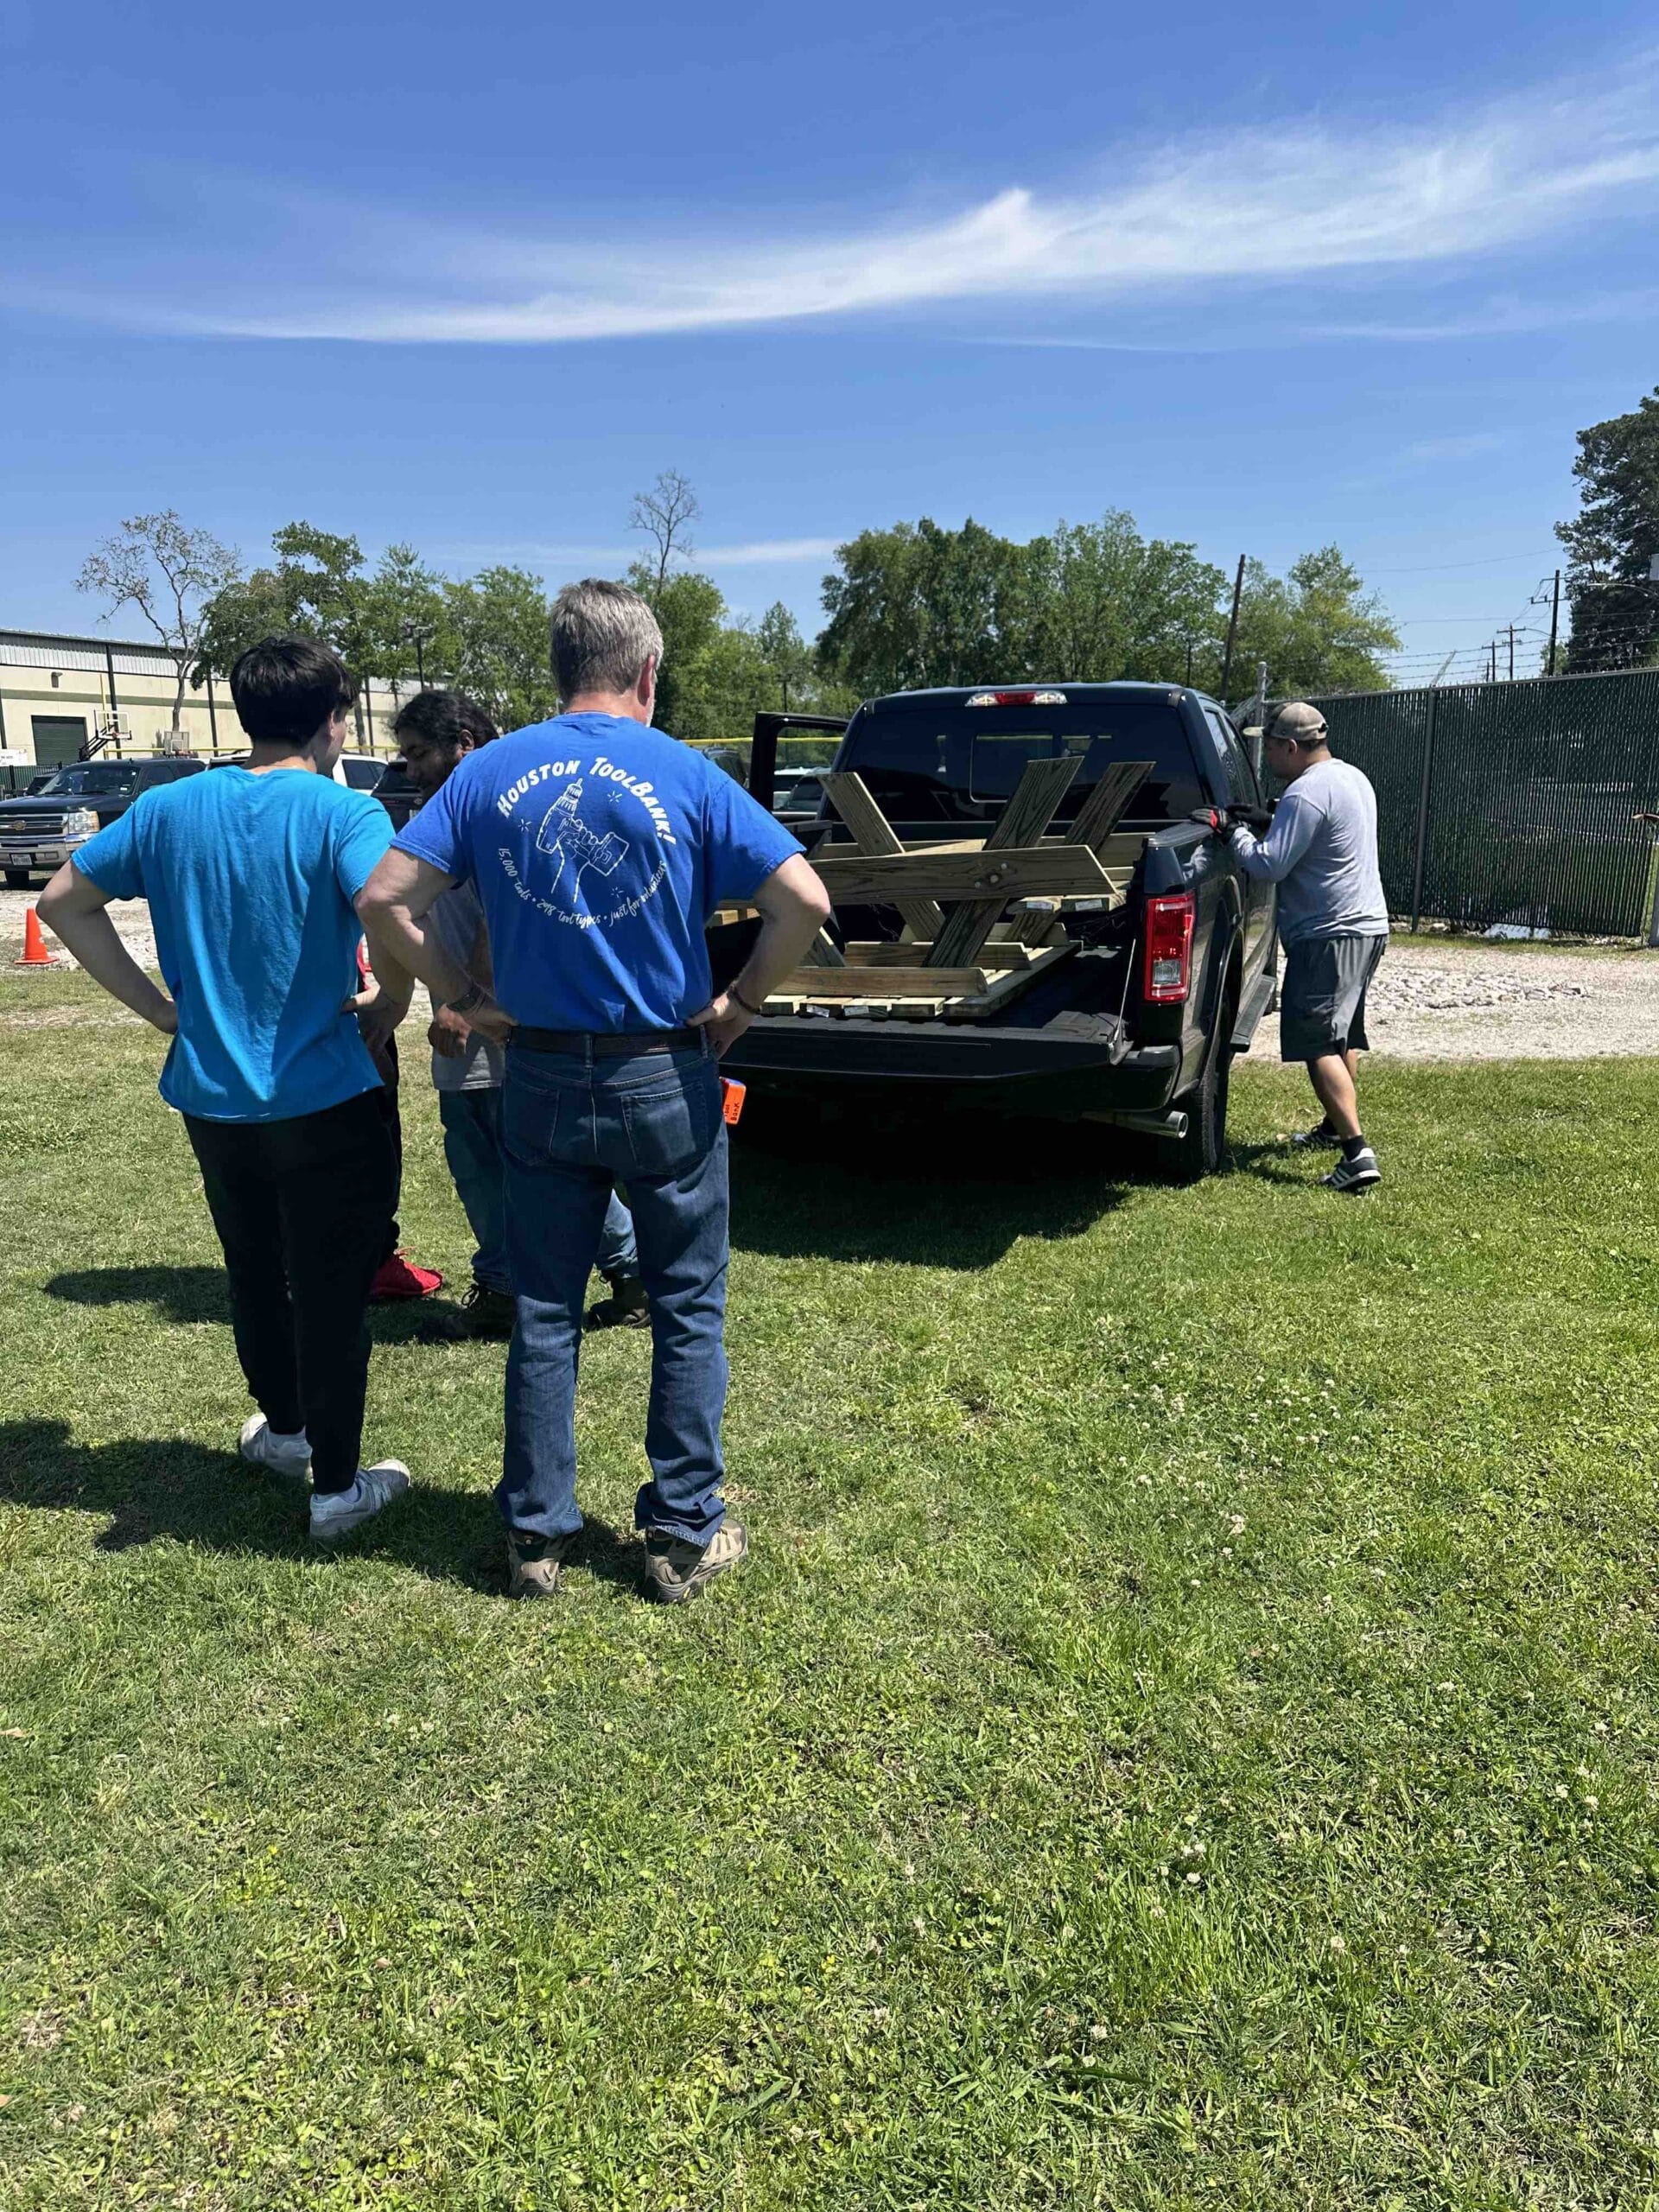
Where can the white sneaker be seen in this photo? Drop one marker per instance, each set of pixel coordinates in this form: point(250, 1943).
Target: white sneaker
point(288, 1456)
point(335, 1512)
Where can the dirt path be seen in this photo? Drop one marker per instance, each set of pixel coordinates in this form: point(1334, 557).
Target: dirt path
point(1463, 1002)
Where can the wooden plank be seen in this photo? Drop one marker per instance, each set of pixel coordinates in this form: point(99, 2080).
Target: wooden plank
point(1108, 804)
point(865, 952)
point(874, 833)
point(1027, 872)
point(1012, 985)
point(1021, 822)
point(1034, 922)
point(850, 982)
point(825, 952)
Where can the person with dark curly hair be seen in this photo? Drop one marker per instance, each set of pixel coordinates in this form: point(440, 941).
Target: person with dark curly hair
point(435, 732)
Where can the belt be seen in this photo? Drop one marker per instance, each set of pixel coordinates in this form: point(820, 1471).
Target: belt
point(616, 1046)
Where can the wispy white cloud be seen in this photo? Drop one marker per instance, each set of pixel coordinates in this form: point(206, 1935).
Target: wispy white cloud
point(765, 551)
point(1506, 316)
point(1297, 202)
point(759, 552)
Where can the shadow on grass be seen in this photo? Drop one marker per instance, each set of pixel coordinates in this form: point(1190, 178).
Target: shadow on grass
point(190, 1294)
point(152, 1488)
point(938, 1190)
point(1276, 1162)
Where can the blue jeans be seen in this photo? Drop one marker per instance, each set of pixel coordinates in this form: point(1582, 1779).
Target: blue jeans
point(572, 1124)
point(472, 1145)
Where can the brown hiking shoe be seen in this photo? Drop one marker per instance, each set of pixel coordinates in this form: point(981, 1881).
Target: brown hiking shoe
point(534, 1563)
point(627, 1306)
point(676, 1570)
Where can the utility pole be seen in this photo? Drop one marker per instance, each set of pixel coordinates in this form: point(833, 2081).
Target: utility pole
point(1554, 619)
point(1232, 630)
point(1511, 653)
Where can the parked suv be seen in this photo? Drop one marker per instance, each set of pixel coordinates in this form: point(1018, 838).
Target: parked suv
point(38, 833)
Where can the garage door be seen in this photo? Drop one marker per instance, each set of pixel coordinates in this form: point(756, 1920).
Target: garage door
point(58, 738)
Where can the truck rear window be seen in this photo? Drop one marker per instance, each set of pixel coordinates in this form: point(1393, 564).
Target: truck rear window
point(954, 763)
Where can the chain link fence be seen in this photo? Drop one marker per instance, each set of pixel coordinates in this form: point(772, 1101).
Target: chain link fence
point(1513, 802)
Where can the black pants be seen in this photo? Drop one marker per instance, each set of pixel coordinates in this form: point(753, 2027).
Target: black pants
point(301, 1207)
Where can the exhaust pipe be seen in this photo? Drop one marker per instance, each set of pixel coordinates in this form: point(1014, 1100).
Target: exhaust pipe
point(1172, 1124)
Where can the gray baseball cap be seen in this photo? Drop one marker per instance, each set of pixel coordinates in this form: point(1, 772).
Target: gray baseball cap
point(1298, 719)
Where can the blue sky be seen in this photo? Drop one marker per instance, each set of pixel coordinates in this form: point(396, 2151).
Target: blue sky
point(1267, 278)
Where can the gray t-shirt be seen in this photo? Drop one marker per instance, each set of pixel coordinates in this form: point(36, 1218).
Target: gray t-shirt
point(1321, 851)
point(457, 918)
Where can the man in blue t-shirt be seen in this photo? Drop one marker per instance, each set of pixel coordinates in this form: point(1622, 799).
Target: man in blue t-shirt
point(599, 848)
point(253, 874)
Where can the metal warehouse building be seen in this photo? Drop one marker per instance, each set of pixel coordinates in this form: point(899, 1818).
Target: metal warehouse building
point(63, 698)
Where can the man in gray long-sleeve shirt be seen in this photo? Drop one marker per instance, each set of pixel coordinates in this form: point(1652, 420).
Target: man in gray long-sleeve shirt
point(1333, 920)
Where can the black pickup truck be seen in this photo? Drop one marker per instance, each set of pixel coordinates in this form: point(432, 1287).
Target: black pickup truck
point(38, 833)
point(1172, 973)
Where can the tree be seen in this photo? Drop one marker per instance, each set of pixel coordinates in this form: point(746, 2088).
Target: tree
point(171, 576)
point(240, 614)
point(492, 644)
point(689, 610)
point(916, 605)
point(1613, 543)
point(402, 614)
point(322, 581)
point(317, 589)
point(789, 659)
point(1109, 603)
point(665, 514)
point(1316, 627)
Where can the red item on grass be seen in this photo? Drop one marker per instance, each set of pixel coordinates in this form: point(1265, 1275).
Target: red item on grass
point(398, 1277)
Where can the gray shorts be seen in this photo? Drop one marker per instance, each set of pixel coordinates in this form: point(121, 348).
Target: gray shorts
point(1322, 996)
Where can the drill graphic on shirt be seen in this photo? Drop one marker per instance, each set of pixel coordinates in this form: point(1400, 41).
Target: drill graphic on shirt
point(565, 832)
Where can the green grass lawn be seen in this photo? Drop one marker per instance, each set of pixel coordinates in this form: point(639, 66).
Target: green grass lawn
point(1186, 1737)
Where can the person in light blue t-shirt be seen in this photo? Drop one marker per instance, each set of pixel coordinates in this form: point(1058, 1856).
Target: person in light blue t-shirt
point(599, 848)
point(253, 874)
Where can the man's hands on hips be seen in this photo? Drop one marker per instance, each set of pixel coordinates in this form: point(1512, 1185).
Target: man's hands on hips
point(377, 1016)
point(488, 1019)
point(448, 1034)
point(723, 1021)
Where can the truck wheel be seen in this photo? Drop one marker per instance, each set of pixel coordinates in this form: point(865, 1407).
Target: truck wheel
point(17, 878)
point(1201, 1151)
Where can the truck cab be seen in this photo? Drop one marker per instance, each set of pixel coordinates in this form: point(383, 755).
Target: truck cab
point(38, 832)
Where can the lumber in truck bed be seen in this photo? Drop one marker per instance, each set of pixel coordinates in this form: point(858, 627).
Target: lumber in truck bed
point(968, 964)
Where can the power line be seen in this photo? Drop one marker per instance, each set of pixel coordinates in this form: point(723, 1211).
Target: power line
point(1486, 561)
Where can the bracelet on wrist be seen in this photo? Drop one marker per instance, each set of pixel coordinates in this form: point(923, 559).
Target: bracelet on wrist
point(732, 992)
point(470, 1000)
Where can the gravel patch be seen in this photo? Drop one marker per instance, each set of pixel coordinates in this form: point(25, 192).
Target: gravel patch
point(131, 917)
point(1535, 1005)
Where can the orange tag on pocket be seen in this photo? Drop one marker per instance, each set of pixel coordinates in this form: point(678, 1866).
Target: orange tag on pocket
point(732, 1095)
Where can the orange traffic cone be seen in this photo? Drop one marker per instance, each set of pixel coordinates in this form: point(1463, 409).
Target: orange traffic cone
point(34, 952)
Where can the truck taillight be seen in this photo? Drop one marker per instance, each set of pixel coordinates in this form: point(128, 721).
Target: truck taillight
point(1169, 948)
